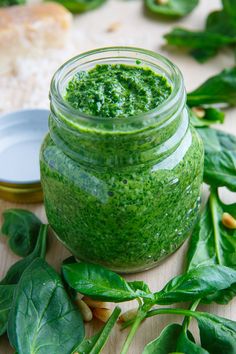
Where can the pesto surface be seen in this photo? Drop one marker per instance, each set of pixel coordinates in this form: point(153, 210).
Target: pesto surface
point(117, 90)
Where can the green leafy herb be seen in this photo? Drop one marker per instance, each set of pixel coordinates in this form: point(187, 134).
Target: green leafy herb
point(203, 44)
point(195, 284)
point(6, 296)
point(77, 6)
point(210, 116)
point(171, 8)
point(220, 88)
point(43, 319)
point(173, 339)
point(14, 273)
point(220, 158)
point(213, 243)
point(95, 344)
point(9, 282)
point(229, 7)
point(101, 283)
point(5, 3)
point(22, 229)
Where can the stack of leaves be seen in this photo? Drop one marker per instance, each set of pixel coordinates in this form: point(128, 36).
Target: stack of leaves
point(219, 32)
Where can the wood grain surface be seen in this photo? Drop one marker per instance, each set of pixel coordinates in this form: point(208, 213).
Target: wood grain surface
point(138, 30)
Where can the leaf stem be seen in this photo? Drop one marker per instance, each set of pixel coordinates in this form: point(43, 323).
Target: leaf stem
point(142, 314)
point(173, 311)
point(213, 208)
point(187, 320)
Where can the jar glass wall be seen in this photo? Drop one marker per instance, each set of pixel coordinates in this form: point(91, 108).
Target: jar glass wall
point(122, 192)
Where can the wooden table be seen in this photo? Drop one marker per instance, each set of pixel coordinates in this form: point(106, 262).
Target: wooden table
point(138, 30)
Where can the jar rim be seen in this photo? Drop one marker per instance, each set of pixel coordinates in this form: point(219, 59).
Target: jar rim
point(177, 94)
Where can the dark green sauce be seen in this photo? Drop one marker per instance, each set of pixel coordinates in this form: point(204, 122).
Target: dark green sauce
point(117, 90)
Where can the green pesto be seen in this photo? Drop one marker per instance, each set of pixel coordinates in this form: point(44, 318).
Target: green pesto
point(117, 90)
point(121, 200)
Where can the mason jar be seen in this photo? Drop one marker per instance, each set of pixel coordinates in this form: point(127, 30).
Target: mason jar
point(121, 192)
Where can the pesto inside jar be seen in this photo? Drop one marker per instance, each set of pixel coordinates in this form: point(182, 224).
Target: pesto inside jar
point(124, 199)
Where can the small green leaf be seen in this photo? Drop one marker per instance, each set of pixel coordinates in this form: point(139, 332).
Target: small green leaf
point(78, 6)
point(203, 44)
point(14, 273)
point(22, 229)
point(95, 344)
point(173, 339)
point(100, 283)
point(172, 8)
point(211, 116)
point(196, 284)
point(220, 88)
point(220, 158)
point(43, 319)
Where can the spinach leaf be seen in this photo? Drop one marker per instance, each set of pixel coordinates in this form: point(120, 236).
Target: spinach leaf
point(229, 7)
point(8, 283)
point(221, 22)
point(6, 296)
point(220, 158)
point(95, 344)
point(43, 319)
point(14, 273)
point(173, 339)
point(218, 334)
point(5, 3)
point(213, 243)
point(196, 283)
point(22, 228)
point(220, 88)
point(173, 8)
point(211, 116)
point(78, 6)
point(100, 283)
point(203, 44)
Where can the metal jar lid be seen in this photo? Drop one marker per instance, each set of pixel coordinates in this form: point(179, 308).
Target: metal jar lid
point(21, 135)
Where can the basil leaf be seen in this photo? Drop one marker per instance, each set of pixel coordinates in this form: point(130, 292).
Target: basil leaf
point(22, 228)
point(78, 6)
point(100, 283)
point(221, 22)
point(211, 116)
point(173, 339)
point(95, 344)
point(43, 319)
point(195, 284)
point(139, 285)
point(220, 88)
point(218, 334)
point(6, 296)
point(173, 8)
point(203, 44)
point(14, 273)
point(220, 158)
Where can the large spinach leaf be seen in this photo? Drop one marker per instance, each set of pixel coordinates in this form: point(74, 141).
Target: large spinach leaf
point(22, 229)
point(95, 344)
point(172, 8)
point(43, 319)
point(6, 296)
point(220, 158)
point(195, 284)
point(173, 339)
point(218, 334)
point(213, 243)
point(8, 283)
point(100, 283)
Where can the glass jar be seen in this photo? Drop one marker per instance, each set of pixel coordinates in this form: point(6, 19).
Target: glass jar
point(121, 192)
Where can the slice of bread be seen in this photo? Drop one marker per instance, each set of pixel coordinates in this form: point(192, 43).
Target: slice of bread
point(30, 29)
